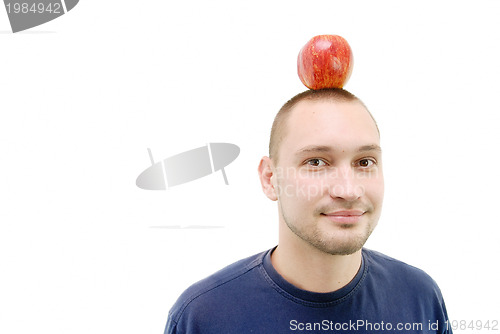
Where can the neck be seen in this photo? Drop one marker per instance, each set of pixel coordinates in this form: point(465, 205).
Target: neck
point(310, 269)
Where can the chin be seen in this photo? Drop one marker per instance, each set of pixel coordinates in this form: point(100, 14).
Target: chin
point(340, 247)
point(346, 240)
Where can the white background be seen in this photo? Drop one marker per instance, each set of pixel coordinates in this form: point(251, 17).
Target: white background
point(83, 97)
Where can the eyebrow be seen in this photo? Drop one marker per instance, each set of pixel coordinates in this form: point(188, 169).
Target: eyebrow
point(313, 149)
point(327, 149)
point(372, 147)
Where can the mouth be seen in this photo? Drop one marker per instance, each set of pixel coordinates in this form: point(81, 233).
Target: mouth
point(344, 216)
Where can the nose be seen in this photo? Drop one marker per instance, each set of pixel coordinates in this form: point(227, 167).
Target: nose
point(343, 184)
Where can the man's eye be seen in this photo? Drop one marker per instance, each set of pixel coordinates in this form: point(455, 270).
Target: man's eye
point(365, 163)
point(316, 162)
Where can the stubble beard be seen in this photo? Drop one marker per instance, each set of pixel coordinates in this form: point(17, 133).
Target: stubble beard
point(344, 241)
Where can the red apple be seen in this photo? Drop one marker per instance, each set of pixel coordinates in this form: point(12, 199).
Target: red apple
point(325, 61)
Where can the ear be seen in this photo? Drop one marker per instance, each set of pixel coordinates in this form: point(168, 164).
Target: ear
point(266, 173)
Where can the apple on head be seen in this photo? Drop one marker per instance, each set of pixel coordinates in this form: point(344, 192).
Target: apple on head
point(325, 61)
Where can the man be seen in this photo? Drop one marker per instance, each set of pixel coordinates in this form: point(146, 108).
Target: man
point(325, 171)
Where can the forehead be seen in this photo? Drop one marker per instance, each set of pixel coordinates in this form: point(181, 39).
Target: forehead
point(345, 125)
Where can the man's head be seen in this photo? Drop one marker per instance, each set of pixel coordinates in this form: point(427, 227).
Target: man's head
point(325, 171)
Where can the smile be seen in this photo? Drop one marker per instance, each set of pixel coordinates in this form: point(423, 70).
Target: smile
point(344, 216)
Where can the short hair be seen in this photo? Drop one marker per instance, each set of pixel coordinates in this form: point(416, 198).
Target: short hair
point(329, 94)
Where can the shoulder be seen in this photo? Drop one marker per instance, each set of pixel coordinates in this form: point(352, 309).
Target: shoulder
point(216, 286)
point(398, 272)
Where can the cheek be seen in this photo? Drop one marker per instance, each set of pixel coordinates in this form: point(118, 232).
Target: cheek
point(310, 187)
point(301, 189)
point(374, 188)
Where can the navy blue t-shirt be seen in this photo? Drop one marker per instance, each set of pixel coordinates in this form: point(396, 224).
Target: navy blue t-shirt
point(250, 296)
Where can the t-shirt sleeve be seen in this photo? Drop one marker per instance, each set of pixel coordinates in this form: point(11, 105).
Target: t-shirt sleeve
point(171, 327)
